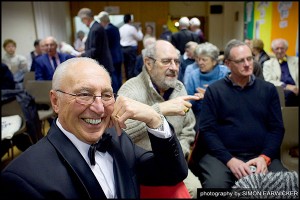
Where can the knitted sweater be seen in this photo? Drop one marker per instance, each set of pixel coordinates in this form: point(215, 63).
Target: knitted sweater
point(237, 120)
point(140, 88)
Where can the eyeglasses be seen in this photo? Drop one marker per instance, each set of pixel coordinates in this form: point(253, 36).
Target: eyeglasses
point(242, 61)
point(86, 98)
point(167, 61)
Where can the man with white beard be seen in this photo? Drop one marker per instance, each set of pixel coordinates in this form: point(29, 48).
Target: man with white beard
point(158, 86)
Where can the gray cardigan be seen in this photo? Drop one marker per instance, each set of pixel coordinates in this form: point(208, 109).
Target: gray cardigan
point(140, 88)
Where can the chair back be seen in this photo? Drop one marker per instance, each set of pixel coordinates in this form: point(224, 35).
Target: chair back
point(281, 95)
point(39, 90)
point(12, 108)
point(291, 137)
point(28, 76)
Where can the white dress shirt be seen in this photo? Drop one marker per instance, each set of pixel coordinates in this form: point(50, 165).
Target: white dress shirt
point(130, 35)
point(103, 170)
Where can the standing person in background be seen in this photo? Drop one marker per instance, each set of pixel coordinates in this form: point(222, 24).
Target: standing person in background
point(79, 42)
point(283, 70)
point(184, 35)
point(96, 44)
point(157, 86)
point(46, 64)
point(130, 36)
point(166, 33)
point(113, 36)
point(16, 63)
point(35, 53)
point(240, 123)
point(195, 28)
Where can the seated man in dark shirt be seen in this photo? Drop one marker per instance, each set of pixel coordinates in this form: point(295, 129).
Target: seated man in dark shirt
point(241, 124)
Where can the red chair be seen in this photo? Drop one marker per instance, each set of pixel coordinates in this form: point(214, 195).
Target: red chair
point(178, 191)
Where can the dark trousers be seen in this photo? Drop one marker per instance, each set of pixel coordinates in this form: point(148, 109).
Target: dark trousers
point(291, 99)
point(116, 77)
point(214, 174)
point(129, 55)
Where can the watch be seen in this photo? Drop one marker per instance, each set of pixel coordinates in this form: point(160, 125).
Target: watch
point(161, 127)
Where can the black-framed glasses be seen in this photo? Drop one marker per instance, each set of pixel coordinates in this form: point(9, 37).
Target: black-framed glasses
point(242, 61)
point(167, 61)
point(85, 98)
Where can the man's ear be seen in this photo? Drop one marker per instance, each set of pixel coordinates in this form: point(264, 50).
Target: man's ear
point(54, 101)
point(148, 64)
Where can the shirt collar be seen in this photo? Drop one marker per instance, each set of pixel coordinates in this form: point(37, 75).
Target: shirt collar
point(82, 147)
point(250, 82)
point(92, 23)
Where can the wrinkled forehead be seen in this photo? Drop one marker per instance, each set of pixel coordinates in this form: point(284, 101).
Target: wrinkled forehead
point(166, 50)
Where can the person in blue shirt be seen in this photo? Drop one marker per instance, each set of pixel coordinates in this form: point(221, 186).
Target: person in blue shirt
point(207, 72)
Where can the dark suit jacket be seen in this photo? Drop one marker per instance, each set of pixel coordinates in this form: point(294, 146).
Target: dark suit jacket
point(180, 38)
point(43, 68)
point(96, 47)
point(54, 169)
point(113, 36)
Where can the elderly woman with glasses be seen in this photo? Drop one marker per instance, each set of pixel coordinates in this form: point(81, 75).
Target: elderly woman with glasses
point(208, 71)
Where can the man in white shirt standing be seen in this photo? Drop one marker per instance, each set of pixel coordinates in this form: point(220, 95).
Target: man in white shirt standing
point(129, 42)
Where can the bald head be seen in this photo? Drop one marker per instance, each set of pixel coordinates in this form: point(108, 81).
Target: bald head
point(161, 47)
point(74, 68)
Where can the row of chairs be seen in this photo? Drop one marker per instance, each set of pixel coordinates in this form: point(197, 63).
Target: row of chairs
point(39, 90)
point(290, 116)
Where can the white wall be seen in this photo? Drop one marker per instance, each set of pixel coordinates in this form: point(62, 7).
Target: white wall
point(224, 27)
point(17, 23)
point(188, 8)
point(221, 27)
point(26, 21)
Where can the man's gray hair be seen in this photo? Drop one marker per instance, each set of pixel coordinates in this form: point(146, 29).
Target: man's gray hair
point(85, 13)
point(104, 17)
point(207, 49)
point(279, 40)
point(231, 44)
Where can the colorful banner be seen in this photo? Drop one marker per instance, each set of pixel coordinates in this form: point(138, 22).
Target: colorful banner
point(263, 23)
point(271, 20)
point(285, 24)
point(248, 20)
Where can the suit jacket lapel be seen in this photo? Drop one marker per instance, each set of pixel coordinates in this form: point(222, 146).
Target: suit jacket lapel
point(125, 186)
point(277, 68)
point(291, 65)
point(75, 163)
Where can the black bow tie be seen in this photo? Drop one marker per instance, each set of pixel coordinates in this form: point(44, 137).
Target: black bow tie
point(102, 146)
